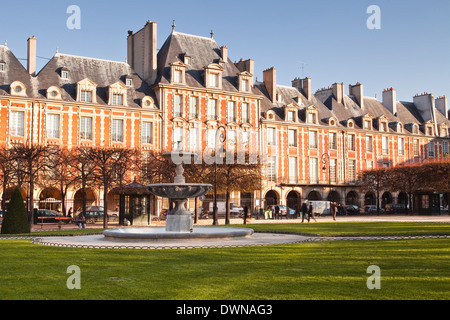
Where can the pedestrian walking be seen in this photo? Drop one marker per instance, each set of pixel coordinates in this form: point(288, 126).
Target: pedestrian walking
point(245, 214)
point(277, 211)
point(304, 211)
point(310, 212)
point(333, 210)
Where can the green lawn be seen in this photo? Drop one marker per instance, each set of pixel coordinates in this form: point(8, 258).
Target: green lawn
point(326, 270)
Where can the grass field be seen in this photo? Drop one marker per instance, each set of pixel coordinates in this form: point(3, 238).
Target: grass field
point(327, 270)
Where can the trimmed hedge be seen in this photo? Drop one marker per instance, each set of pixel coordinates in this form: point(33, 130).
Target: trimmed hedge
point(15, 219)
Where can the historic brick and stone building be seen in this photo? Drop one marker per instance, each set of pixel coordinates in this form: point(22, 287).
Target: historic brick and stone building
point(177, 97)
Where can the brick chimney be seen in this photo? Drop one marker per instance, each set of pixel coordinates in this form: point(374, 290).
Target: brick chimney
point(426, 107)
point(224, 51)
point(304, 86)
point(390, 100)
point(270, 81)
point(31, 56)
point(441, 105)
point(142, 51)
point(357, 91)
point(338, 92)
point(247, 65)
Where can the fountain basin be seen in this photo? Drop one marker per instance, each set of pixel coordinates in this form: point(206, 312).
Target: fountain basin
point(160, 233)
point(177, 191)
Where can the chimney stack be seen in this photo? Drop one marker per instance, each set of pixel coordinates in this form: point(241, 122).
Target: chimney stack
point(338, 92)
point(426, 107)
point(270, 81)
point(224, 51)
point(441, 105)
point(31, 56)
point(247, 65)
point(304, 86)
point(142, 52)
point(390, 100)
point(357, 91)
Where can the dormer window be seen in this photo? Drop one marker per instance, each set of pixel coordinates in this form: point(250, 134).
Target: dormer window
point(245, 79)
point(2, 66)
point(86, 91)
point(53, 93)
point(187, 60)
point(18, 88)
point(312, 117)
point(399, 128)
point(290, 116)
point(177, 70)
point(118, 94)
point(367, 124)
point(128, 81)
point(213, 76)
point(429, 131)
point(64, 73)
point(147, 102)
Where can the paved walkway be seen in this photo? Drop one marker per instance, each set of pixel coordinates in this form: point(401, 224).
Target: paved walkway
point(257, 239)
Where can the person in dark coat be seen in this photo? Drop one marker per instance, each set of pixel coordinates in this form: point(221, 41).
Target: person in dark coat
point(245, 214)
point(304, 211)
point(277, 211)
point(310, 212)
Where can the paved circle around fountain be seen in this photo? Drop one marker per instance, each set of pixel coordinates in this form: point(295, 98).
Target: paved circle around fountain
point(202, 237)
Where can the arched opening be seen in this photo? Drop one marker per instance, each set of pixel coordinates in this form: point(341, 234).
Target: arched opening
point(51, 199)
point(293, 200)
point(91, 199)
point(352, 198)
point(334, 197)
point(314, 196)
point(370, 199)
point(402, 198)
point(386, 200)
point(271, 198)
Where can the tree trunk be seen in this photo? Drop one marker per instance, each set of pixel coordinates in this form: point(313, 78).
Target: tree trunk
point(105, 204)
point(227, 208)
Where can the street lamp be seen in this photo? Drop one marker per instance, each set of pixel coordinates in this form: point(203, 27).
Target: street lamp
point(218, 154)
point(325, 160)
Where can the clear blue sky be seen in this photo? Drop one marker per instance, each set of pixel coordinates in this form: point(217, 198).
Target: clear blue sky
point(411, 51)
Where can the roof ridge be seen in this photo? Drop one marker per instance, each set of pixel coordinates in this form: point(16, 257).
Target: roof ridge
point(193, 35)
point(90, 58)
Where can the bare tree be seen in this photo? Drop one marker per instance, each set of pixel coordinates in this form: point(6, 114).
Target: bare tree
point(107, 163)
point(30, 161)
point(6, 172)
point(374, 180)
point(60, 173)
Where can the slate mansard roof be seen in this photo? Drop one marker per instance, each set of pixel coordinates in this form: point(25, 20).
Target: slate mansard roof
point(102, 72)
point(203, 52)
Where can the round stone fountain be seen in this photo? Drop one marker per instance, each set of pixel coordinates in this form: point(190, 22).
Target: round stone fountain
point(179, 222)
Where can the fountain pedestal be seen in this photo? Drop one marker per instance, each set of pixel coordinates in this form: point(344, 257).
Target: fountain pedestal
point(179, 219)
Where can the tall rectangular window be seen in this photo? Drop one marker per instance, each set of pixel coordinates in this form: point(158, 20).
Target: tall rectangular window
point(193, 139)
point(332, 142)
point(245, 113)
point(292, 138)
point(431, 149)
point(178, 139)
point(193, 107)
point(117, 99)
point(244, 85)
point(416, 147)
point(352, 170)
point(271, 137)
point(52, 126)
point(231, 110)
point(290, 116)
point(351, 142)
point(213, 80)
point(313, 176)
point(313, 139)
point(177, 76)
point(445, 149)
point(212, 109)
point(333, 170)
point(292, 170)
point(177, 105)
point(86, 96)
point(272, 168)
point(85, 128)
point(401, 146)
point(117, 130)
point(16, 123)
point(147, 132)
point(384, 145)
point(369, 143)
